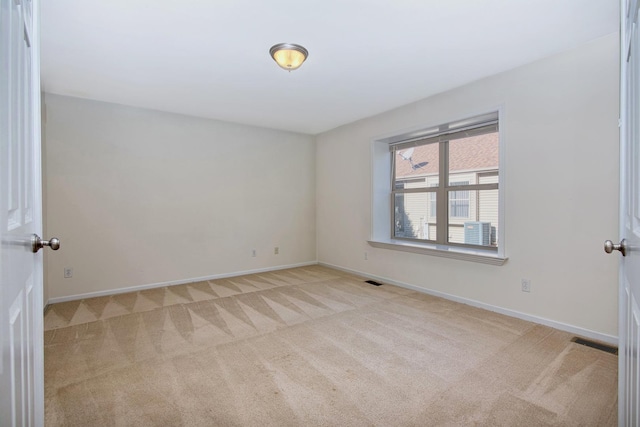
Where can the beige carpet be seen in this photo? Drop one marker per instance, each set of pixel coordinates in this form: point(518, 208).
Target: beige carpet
point(313, 346)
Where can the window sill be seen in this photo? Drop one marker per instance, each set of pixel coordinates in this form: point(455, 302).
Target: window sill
point(483, 257)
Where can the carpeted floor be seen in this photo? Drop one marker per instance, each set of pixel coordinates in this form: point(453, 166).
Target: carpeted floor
point(313, 346)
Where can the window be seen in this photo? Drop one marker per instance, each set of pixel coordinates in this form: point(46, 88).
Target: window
point(445, 184)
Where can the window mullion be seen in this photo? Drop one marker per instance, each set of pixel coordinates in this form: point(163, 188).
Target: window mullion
point(393, 171)
point(477, 198)
point(392, 200)
point(473, 187)
point(442, 203)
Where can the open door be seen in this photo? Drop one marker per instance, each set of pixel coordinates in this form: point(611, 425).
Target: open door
point(21, 299)
point(629, 246)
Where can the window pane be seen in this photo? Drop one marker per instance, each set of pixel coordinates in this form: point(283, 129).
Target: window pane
point(459, 201)
point(473, 155)
point(480, 226)
point(412, 216)
point(417, 167)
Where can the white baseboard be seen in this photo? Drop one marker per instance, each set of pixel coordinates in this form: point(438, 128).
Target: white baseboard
point(173, 282)
point(586, 333)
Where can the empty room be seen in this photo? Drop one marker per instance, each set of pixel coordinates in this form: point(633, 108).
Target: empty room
point(350, 213)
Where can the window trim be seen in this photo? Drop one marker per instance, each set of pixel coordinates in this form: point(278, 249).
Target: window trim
point(382, 204)
point(460, 253)
point(444, 134)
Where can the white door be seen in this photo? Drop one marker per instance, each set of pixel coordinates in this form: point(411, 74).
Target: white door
point(629, 321)
point(21, 364)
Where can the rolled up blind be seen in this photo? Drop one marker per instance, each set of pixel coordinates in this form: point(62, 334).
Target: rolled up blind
point(474, 126)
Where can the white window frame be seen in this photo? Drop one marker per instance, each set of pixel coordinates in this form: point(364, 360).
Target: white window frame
point(382, 205)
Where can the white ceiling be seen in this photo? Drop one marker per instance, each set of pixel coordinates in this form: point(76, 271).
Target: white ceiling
point(210, 58)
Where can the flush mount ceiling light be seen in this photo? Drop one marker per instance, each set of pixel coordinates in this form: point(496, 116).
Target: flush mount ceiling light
point(288, 55)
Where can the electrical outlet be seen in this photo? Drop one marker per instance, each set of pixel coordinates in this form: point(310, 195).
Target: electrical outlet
point(68, 272)
point(253, 253)
point(276, 250)
point(526, 285)
point(366, 256)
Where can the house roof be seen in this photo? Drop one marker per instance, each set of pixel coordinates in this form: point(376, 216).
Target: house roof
point(468, 154)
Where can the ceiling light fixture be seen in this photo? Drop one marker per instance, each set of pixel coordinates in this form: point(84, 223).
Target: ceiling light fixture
point(288, 55)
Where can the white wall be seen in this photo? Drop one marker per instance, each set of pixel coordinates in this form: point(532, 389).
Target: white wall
point(561, 190)
point(140, 197)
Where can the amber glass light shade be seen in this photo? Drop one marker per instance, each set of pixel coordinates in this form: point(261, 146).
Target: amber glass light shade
point(288, 56)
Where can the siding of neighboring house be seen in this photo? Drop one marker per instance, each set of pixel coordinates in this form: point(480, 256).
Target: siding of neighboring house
point(488, 200)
